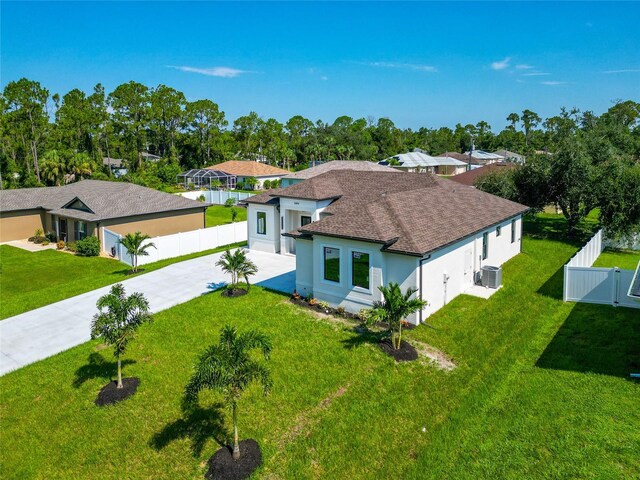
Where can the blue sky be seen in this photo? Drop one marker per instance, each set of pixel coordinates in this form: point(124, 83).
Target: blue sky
point(420, 64)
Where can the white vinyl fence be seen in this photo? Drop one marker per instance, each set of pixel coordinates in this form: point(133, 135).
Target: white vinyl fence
point(587, 284)
point(170, 246)
point(216, 196)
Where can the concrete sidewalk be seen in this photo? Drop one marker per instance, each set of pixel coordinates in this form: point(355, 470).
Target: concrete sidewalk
point(40, 333)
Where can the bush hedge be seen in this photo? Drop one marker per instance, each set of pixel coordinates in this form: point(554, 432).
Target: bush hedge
point(88, 246)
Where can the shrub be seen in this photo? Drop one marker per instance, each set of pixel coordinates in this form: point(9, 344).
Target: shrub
point(51, 236)
point(202, 198)
point(88, 246)
point(234, 214)
point(341, 310)
point(72, 247)
point(38, 233)
point(366, 315)
point(230, 202)
point(266, 184)
point(240, 186)
point(60, 245)
point(324, 305)
point(45, 243)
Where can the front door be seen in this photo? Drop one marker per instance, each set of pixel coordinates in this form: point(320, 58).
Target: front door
point(62, 227)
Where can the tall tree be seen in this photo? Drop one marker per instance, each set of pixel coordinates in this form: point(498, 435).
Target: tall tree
point(206, 120)
point(166, 115)
point(130, 104)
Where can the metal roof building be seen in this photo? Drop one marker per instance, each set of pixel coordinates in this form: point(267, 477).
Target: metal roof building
point(203, 178)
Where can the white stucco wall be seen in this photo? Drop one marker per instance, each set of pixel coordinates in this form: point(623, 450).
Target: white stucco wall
point(461, 261)
point(270, 242)
point(261, 180)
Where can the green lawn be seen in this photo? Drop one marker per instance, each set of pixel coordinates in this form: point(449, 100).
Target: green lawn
point(221, 215)
point(624, 259)
point(541, 391)
point(31, 280)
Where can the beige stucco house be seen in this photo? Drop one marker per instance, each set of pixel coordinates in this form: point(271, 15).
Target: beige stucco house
point(87, 207)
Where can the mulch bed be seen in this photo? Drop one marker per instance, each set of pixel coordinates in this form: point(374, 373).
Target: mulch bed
point(131, 272)
point(222, 466)
point(234, 292)
point(406, 352)
point(301, 302)
point(111, 394)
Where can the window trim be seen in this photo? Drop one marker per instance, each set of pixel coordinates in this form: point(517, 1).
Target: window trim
point(305, 216)
point(351, 270)
point(324, 262)
point(485, 245)
point(78, 230)
point(258, 232)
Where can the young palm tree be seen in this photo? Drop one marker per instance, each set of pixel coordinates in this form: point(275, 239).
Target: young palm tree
point(117, 320)
point(237, 265)
point(133, 242)
point(394, 307)
point(229, 368)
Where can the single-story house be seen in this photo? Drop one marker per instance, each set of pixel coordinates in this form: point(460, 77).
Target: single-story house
point(319, 169)
point(510, 156)
point(87, 207)
point(353, 231)
point(485, 158)
point(244, 169)
point(469, 178)
point(116, 165)
point(418, 161)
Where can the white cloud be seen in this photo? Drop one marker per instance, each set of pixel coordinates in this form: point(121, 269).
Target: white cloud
point(502, 64)
point(224, 72)
point(552, 83)
point(625, 70)
point(408, 66)
point(524, 66)
point(324, 78)
point(535, 74)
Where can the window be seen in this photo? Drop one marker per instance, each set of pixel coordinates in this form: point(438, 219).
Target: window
point(332, 264)
point(81, 230)
point(360, 269)
point(281, 223)
point(305, 220)
point(498, 230)
point(513, 231)
point(262, 223)
point(485, 245)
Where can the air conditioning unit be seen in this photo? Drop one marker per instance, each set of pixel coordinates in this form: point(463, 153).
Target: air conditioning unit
point(491, 276)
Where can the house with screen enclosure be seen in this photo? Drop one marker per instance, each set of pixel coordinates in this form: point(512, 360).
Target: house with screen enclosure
point(419, 161)
point(353, 231)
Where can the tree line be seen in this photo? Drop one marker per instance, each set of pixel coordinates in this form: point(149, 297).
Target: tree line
point(49, 139)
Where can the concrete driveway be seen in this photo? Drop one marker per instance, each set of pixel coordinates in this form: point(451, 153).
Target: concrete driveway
point(40, 333)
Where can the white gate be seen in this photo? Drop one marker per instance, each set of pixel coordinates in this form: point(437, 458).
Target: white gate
point(587, 284)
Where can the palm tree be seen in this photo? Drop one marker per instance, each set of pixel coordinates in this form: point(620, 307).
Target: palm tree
point(117, 320)
point(52, 167)
point(237, 265)
point(229, 368)
point(394, 307)
point(133, 242)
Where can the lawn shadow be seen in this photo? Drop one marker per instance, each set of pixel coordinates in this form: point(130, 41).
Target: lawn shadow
point(554, 286)
point(554, 227)
point(98, 367)
point(198, 424)
point(361, 336)
point(597, 339)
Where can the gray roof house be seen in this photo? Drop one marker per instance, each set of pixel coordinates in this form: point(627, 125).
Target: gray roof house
point(324, 167)
point(86, 207)
point(419, 161)
point(510, 156)
point(353, 231)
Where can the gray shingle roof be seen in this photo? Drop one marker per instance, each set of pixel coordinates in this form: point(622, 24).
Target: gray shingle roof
point(105, 199)
point(357, 165)
point(420, 159)
point(411, 213)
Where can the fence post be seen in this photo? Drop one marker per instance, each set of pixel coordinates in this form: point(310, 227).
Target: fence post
point(566, 281)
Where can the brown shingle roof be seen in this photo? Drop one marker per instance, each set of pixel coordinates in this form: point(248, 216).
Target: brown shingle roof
point(469, 178)
point(411, 213)
point(247, 168)
point(357, 165)
point(105, 199)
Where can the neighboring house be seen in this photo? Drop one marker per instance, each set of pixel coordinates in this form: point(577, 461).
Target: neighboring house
point(244, 169)
point(198, 178)
point(324, 167)
point(469, 178)
point(418, 161)
point(510, 156)
point(150, 157)
point(485, 158)
point(85, 208)
point(354, 231)
point(116, 165)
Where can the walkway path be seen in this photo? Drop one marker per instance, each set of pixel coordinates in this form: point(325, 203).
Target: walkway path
point(40, 333)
